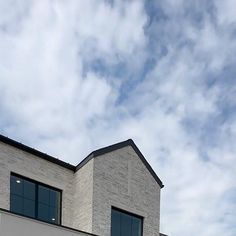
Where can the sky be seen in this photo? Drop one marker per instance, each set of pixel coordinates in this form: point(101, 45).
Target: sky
point(79, 75)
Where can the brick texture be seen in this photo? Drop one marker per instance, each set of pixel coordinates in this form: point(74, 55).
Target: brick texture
point(118, 179)
point(25, 164)
point(83, 184)
point(121, 180)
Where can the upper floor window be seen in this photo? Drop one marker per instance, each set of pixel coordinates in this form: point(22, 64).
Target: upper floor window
point(34, 199)
point(125, 224)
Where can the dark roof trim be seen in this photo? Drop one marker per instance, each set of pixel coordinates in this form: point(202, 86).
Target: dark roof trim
point(93, 154)
point(117, 146)
point(35, 152)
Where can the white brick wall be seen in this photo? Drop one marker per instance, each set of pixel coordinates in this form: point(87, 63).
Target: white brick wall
point(25, 164)
point(83, 184)
point(118, 178)
point(123, 181)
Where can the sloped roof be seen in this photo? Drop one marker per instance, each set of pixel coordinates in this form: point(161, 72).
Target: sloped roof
point(117, 146)
point(35, 152)
point(93, 154)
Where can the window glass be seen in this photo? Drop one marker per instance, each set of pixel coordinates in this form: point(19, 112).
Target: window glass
point(29, 190)
point(115, 223)
point(43, 194)
point(54, 215)
point(33, 199)
point(16, 186)
point(136, 226)
point(54, 199)
point(43, 212)
point(29, 208)
point(16, 204)
point(125, 224)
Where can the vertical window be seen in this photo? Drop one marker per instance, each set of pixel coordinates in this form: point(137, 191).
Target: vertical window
point(125, 224)
point(36, 200)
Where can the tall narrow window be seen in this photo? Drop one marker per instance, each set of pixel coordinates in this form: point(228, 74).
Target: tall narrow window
point(125, 224)
point(36, 200)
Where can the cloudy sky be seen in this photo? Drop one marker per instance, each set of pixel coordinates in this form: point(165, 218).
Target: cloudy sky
point(79, 75)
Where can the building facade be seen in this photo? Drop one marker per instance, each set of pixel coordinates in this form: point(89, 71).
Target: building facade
point(112, 192)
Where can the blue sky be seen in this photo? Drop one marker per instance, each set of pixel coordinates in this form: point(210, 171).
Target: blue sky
point(79, 75)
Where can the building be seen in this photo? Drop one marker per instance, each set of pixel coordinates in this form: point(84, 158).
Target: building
point(113, 191)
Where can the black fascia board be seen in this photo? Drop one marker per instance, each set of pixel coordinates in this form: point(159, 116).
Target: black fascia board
point(35, 152)
point(117, 146)
point(145, 162)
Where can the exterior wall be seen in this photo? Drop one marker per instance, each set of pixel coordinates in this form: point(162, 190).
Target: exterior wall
point(118, 178)
point(83, 184)
point(25, 164)
point(11, 225)
point(122, 180)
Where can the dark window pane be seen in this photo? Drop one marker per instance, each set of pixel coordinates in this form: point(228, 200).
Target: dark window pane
point(125, 224)
point(115, 223)
point(16, 204)
point(43, 212)
point(16, 185)
point(43, 194)
point(54, 198)
point(54, 215)
point(136, 226)
point(23, 200)
point(29, 208)
point(29, 190)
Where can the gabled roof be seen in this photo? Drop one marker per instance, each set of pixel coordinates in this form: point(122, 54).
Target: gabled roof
point(92, 155)
point(117, 146)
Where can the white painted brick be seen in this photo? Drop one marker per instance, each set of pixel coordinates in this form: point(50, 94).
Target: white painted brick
point(118, 178)
point(83, 184)
point(123, 181)
point(28, 165)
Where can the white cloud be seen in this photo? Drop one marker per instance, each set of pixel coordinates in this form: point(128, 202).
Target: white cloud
point(176, 112)
point(225, 11)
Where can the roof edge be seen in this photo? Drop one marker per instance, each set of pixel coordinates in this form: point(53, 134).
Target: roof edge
point(145, 162)
point(100, 152)
point(117, 146)
point(35, 152)
point(92, 155)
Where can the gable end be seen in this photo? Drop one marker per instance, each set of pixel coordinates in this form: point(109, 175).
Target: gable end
point(117, 146)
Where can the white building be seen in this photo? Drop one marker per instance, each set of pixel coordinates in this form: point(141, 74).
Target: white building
point(113, 191)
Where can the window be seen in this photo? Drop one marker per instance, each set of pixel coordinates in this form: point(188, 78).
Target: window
point(36, 200)
point(125, 224)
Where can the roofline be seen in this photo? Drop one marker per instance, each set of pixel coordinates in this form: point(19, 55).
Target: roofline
point(35, 152)
point(92, 155)
point(117, 146)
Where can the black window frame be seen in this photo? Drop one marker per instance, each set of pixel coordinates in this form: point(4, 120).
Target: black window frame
point(127, 213)
point(38, 183)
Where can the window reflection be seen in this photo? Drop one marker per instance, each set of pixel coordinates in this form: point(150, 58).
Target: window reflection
point(125, 224)
point(32, 199)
